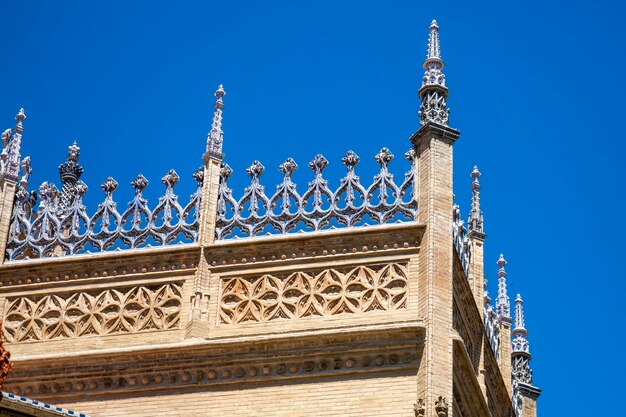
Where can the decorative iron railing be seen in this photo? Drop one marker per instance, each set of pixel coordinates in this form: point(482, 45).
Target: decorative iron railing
point(319, 207)
point(62, 226)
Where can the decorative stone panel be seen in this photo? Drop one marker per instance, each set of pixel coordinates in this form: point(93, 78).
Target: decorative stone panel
point(105, 312)
point(319, 292)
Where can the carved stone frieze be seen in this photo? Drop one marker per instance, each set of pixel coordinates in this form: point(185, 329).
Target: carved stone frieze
point(86, 313)
point(199, 374)
point(323, 292)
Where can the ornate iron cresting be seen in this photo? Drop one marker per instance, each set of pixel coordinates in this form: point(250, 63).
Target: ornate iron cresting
point(461, 241)
point(62, 226)
point(492, 327)
point(463, 249)
point(319, 207)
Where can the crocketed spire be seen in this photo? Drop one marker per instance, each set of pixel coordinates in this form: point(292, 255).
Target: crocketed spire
point(216, 135)
point(520, 349)
point(475, 219)
point(433, 92)
point(10, 157)
point(503, 308)
point(520, 344)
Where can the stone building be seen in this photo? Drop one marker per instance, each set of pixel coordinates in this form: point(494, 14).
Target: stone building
point(361, 299)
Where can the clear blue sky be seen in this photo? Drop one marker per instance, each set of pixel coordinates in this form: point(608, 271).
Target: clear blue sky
point(537, 89)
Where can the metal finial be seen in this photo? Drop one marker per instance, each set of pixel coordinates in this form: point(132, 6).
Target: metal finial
point(216, 135)
point(20, 117)
point(503, 303)
point(73, 151)
point(475, 175)
point(70, 170)
point(501, 263)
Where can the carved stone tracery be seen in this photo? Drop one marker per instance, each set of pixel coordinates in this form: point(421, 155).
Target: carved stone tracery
point(78, 314)
point(313, 293)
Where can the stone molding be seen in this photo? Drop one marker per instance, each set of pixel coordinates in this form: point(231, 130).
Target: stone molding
point(299, 248)
point(148, 263)
point(205, 365)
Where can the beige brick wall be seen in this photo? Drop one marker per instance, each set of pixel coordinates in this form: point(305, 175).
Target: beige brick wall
point(389, 395)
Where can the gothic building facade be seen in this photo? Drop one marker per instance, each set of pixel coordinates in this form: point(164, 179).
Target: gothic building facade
point(362, 299)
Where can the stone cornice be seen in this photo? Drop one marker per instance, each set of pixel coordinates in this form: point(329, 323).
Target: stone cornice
point(430, 130)
point(182, 259)
point(379, 348)
point(473, 234)
point(200, 346)
point(385, 240)
point(347, 233)
point(529, 391)
point(31, 274)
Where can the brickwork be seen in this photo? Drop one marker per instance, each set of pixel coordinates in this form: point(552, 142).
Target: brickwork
point(358, 396)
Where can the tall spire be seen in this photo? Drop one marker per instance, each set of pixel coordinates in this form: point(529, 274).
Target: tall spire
point(433, 92)
point(475, 220)
point(520, 352)
point(434, 49)
point(503, 308)
point(216, 135)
